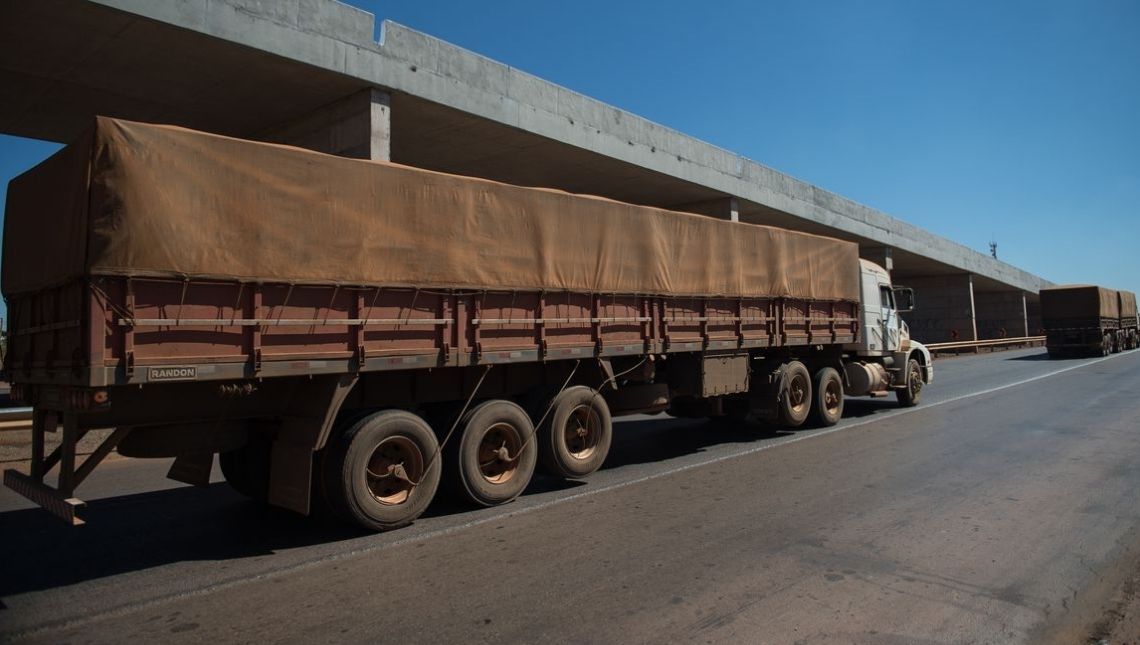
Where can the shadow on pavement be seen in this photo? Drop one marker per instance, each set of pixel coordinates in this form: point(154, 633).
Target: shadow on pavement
point(139, 531)
point(1043, 356)
point(660, 439)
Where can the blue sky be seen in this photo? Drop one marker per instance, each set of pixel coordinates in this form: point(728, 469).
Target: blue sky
point(1013, 121)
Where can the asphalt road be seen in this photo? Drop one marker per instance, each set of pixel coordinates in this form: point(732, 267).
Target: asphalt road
point(1003, 509)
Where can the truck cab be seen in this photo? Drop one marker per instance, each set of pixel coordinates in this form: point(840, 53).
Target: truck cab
point(884, 357)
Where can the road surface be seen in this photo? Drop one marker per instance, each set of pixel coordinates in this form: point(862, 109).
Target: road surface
point(1003, 509)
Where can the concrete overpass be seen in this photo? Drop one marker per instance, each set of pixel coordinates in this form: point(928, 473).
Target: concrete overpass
point(311, 73)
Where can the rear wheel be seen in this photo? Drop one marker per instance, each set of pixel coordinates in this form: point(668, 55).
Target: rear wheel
point(381, 472)
point(795, 395)
point(910, 395)
point(827, 405)
point(575, 438)
point(494, 459)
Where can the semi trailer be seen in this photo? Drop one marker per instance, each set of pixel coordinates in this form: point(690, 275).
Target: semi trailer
point(351, 336)
point(1087, 319)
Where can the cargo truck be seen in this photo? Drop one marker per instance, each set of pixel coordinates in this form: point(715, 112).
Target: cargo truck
point(350, 335)
point(1088, 320)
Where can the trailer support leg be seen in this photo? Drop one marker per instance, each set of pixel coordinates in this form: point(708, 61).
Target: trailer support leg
point(59, 500)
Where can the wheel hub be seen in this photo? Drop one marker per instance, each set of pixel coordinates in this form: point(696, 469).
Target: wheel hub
point(499, 452)
point(394, 470)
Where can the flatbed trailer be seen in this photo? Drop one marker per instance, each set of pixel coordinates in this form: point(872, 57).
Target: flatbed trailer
point(344, 334)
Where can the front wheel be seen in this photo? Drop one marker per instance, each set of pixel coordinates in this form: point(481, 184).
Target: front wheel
point(382, 471)
point(910, 395)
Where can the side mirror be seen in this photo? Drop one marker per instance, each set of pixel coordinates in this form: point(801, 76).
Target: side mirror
point(904, 299)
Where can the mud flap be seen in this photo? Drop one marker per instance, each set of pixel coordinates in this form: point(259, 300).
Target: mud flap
point(304, 430)
point(192, 469)
point(290, 476)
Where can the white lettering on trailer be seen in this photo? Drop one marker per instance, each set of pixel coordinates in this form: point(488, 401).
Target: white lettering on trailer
point(172, 374)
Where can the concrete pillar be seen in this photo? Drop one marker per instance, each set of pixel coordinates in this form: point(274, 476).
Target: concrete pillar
point(1001, 314)
point(723, 208)
point(944, 308)
point(1033, 315)
point(358, 126)
point(880, 255)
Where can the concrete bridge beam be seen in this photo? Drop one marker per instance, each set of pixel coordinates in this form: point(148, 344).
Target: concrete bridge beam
point(357, 126)
point(724, 208)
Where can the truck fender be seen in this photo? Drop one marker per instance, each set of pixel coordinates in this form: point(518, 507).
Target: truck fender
point(920, 353)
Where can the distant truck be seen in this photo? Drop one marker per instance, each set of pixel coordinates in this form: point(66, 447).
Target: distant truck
point(1087, 319)
point(344, 334)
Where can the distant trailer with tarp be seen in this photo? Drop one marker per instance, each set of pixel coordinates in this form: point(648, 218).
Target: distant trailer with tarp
point(1088, 320)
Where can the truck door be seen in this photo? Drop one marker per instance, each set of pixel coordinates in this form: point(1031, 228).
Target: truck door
point(889, 318)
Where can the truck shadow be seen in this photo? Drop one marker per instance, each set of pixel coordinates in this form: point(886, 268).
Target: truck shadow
point(131, 533)
point(1043, 356)
point(137, 532)
point(659, 439)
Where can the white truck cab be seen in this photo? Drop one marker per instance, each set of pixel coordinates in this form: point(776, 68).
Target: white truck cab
point(885, 358)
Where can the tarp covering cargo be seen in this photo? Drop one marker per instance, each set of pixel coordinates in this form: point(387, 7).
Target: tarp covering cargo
point(146, 200)
point(1079, 301)
point(1127, 305)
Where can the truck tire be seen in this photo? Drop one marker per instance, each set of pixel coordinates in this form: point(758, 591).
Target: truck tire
point(795, 395)
point(493, 459)
point(246, 469)
point(382, 471)
point(575, 438)
point(827, 402)
point(911, 394)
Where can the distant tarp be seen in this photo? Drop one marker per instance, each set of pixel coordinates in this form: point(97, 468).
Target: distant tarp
point(146, 200)
point(1081, 301)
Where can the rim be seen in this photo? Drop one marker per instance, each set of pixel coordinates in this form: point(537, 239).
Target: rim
point(832, 396)
point(797, 392)
point(915, 380)
point(582, 432)
point(394, 468)
point(499, 452)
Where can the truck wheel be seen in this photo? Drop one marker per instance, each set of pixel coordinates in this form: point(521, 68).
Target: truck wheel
point(382, 471)
point(795, 395)
point(827, 405)
point(575, 438)
point(246, 469)
point(494, 459)
point(910, 395)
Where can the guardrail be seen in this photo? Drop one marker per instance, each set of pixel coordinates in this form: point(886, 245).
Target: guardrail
point(975, 345)
point(15, 419)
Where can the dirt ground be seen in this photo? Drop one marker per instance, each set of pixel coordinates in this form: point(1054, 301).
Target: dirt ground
point(1120, 624)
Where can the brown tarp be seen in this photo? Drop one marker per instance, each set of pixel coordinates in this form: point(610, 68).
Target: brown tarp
point(1079, 301)
point(147, 200)
point(1127, 304)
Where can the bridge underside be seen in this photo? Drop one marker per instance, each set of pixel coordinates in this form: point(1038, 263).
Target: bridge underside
point(64, 61)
